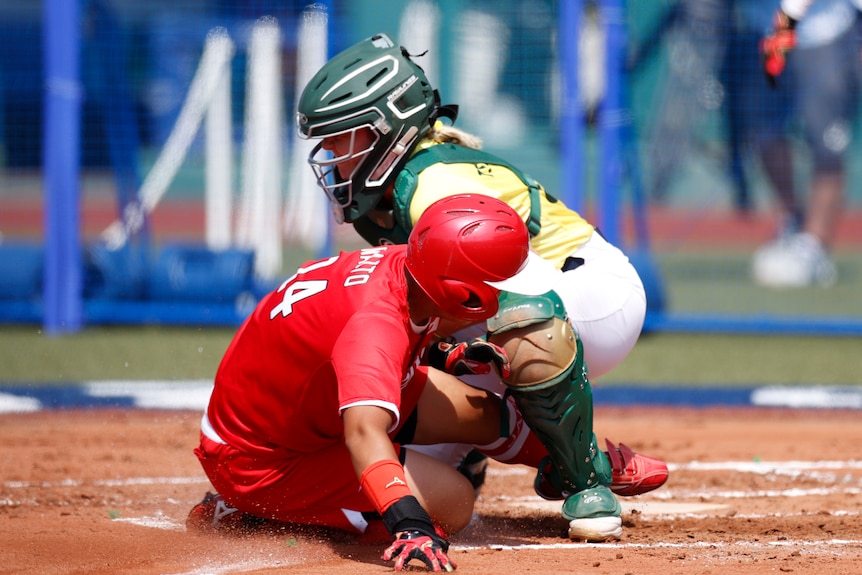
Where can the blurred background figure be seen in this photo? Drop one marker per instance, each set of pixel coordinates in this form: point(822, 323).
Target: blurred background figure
point(793, 127)
point(807, 79)
point(695, 34)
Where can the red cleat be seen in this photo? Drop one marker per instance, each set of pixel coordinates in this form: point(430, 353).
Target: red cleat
point(633, 473)
point(213, 514)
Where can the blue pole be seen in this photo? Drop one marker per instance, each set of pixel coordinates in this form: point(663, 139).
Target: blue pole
point(333, 29)
point(616, 133)
point(611, 120)
point(571, 115)
point(62, 287)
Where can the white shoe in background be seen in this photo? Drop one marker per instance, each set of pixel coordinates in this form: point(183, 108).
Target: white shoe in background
point(792, 261)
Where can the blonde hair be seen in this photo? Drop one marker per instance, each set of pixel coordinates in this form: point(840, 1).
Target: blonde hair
point(445, 134)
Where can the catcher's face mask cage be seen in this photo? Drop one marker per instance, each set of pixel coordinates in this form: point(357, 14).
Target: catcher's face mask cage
point(325, 163)
point(370, 85)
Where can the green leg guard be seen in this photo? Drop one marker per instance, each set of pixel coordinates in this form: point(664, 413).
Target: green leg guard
point(550, 387)
point(560, 413)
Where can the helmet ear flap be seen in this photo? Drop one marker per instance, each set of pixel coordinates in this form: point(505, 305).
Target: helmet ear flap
point(454, 290)
point(470, 298)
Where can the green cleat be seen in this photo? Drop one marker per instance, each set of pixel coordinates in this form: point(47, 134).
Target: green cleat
point(593, 514)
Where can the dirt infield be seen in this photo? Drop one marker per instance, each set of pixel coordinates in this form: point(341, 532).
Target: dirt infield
point(777, 491)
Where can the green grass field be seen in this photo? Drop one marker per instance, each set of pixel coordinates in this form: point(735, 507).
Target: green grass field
point(140, 353)
point(719, 281)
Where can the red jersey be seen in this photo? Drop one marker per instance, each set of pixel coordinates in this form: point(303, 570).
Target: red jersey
point(336, 334)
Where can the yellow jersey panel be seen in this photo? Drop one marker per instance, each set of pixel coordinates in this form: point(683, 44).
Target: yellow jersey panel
point(563, 230)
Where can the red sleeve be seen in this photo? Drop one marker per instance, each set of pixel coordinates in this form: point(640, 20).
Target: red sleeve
point(371, 357)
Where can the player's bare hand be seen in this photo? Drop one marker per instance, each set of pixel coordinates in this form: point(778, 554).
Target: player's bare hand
point(416, 545)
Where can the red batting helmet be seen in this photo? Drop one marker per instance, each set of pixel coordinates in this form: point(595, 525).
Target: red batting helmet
point(461, 242)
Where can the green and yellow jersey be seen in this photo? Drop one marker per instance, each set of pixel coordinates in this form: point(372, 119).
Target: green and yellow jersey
point(439, 170)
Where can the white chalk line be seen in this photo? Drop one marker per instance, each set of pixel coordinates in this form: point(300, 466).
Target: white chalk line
point(129, 481)
point(243, 566)
point(702, 493)
point(643, 502)
point(811, 548)
point(158, 521)
point(806, 544)
point(758, 467)
point(762, 467)
point(161, 521)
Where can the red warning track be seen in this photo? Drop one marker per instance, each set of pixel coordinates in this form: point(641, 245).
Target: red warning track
point(669, 228)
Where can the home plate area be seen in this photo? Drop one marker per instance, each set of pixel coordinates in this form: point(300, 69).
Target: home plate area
point(645, 508)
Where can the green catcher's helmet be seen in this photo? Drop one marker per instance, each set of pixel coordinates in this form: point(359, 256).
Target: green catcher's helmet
point(373, 85)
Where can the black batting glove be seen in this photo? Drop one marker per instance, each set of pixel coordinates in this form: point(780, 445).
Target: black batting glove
point(415, 537)
point(472, 357)
point(415, 545)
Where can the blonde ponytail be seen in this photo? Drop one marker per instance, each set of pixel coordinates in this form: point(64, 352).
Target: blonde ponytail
point(445, 134)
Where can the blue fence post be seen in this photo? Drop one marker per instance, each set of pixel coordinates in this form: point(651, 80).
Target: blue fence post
point(615, 132)
point(63, 279)
point(333, 30)
point(571, 114)
point(611, 120)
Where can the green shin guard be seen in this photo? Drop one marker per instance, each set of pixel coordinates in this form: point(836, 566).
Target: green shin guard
point(549, 483)
point(560, 413)
point(550, 387)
